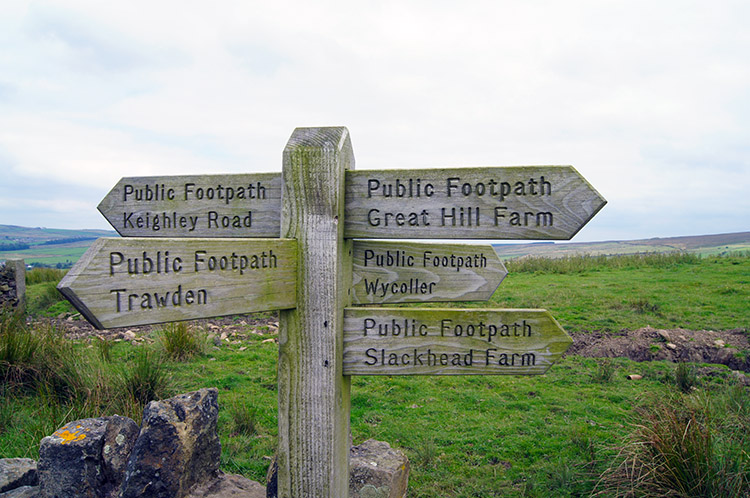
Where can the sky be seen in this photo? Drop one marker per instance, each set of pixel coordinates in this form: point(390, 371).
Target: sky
point(648, 100)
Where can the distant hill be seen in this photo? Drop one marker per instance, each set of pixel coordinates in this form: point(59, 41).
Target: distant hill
point(47, 246)
point(62, 248)
point(38, 235)
point(700, 244)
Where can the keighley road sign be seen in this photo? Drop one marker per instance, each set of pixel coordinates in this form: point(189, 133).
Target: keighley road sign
point(242, 205)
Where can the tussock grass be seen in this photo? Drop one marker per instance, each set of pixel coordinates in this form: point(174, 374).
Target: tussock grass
point(45, 375)
point(145, 378)
point(685, 377)
point(182, 341)
point(583, 263)
point(604, 372)
point(41, 296)
point(41, 275)
point(243, 419)
point(38, 359)
point(685, 446)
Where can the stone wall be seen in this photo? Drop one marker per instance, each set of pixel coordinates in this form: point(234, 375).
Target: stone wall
point(13, 284)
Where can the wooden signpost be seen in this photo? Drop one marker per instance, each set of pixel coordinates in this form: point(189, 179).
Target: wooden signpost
point(402, 272)
point(136, 281)
point(529, 202)
point(245, 205)
point(428, 341)
point(316, 272)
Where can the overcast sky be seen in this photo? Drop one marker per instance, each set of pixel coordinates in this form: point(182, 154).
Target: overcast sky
point(649, 100)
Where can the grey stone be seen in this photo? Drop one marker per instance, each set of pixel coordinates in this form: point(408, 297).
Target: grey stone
point(178, 447)
point(119, 439)
point(741, 377)
point(84, 458)
point(17, 472)
point(70, 460)
point(229, 486)
point(22, 492)
point(377, 471)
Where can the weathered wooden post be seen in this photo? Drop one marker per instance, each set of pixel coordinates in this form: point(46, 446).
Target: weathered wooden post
point(314, 395)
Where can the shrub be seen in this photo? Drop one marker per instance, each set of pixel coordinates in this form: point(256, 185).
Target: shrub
point(684, 446)
point(181, 341)
point(39, 359)
point(685, 377)
point(145, 379)
point(604, 372)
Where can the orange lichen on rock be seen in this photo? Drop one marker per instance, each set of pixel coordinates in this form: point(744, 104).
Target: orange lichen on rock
point(69, 437)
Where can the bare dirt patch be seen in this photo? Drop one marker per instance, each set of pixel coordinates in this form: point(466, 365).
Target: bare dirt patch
point(229, 329)
point(727, 347)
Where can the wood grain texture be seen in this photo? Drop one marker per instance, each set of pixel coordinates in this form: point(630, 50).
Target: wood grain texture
point(524, 202)
point(314, 395)
point(408, 272)
point(238, 205)
point(122, 282)
point(431, 341)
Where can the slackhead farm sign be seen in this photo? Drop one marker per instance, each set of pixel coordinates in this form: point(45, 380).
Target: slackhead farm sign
point(304, 242)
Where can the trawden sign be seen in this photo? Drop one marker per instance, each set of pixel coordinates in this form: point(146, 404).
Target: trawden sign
point(414, 341)
point(527, 202)
point(136, 281)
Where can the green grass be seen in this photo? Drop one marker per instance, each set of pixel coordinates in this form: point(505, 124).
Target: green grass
point(702, 294)
point(66, 254)
point(552, 435)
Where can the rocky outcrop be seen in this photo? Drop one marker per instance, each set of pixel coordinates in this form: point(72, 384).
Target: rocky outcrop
point(175, 453)
point(85, 458)
point(177, 448)
point(377, 471)
point(229, 486)
point(17, 472)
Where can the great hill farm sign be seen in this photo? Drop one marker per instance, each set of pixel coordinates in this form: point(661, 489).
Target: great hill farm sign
point(302, 242)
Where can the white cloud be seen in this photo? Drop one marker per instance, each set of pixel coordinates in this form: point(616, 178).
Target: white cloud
point(646, 99)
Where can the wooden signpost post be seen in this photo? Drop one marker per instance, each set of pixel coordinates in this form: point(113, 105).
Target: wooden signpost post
point(316, 272)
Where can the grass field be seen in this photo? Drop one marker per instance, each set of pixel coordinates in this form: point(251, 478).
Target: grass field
point(570, 432)
point(41, 251)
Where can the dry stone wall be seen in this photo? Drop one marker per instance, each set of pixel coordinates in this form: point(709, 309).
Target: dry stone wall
point(13, 283)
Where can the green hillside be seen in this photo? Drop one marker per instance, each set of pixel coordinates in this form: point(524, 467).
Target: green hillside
point(719, 244)
point(62, 247)
point(47, 246)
